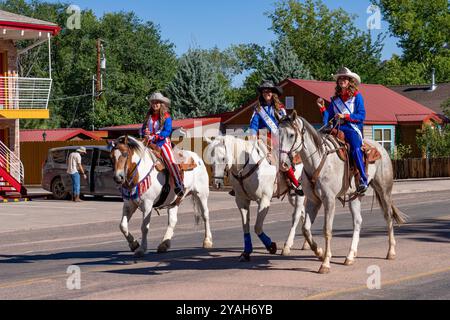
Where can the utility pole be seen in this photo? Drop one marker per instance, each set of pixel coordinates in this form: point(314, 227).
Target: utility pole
point(99, 87)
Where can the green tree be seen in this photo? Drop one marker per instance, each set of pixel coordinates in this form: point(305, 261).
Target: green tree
point(327, 39)
point(445, 106)
point(423, 28)
point(285, 63)
point(197, 89)
point(138, 61)
point(434, 141)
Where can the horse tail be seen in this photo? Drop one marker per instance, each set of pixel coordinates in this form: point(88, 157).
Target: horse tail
point(398, 215)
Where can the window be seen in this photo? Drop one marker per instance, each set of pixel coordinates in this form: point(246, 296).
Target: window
point(59, 156)
point(385, 136)
point(289, 103)
point(86, 159)
point(104, 159)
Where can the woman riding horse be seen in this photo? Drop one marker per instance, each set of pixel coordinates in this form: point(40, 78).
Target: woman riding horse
point(157, 129)
point(264, 118)
point(347, 109)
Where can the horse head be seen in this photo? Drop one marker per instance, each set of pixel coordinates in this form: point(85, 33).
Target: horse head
point(219, 160)
point(124, 153)
point(291, 139)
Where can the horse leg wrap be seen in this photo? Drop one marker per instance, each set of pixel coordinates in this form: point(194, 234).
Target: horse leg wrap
point(266, 240)
point(248, 246)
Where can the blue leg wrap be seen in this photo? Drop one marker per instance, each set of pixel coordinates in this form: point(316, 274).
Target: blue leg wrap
point(265, 239)
point(248, 247)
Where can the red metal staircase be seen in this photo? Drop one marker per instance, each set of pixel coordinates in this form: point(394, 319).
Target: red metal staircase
point(11, 174)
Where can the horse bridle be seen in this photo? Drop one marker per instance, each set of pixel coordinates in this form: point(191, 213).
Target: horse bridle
point(128, 182)
point(226, 171)
point(301, 145)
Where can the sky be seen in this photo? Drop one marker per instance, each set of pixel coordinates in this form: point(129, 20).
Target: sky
point(210, 23)
point(221, 23)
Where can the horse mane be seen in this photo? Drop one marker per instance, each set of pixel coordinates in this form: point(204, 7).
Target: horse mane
point(135, 145)
point(318, 141)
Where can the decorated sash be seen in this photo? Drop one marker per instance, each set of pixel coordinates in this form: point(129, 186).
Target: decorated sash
point(137, 191)
point(270, 123)
point(153, 126)
point(346, 108)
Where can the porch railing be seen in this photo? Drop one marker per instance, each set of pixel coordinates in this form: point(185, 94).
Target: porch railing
point(24, 93)
point(11, 163)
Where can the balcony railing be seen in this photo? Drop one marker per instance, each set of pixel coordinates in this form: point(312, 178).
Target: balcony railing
point(24, 93)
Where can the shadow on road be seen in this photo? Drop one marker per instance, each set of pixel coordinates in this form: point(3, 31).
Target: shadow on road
point(428, 230)
point(179, 259)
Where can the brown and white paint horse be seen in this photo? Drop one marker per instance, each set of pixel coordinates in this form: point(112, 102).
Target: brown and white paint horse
point(133, 164)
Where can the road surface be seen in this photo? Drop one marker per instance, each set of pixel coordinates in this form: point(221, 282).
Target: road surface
point(40, 240)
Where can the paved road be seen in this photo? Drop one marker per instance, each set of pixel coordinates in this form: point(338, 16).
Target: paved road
point(41, 239)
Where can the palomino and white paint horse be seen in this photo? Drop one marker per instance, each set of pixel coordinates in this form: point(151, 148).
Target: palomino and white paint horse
point(134, 170)
point(298, 136)
point(258, 182)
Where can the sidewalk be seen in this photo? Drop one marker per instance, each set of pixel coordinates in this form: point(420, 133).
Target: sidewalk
point(400, 186)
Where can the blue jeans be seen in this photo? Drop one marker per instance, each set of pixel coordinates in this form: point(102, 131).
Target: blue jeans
point(75, 184)
point(355, 142)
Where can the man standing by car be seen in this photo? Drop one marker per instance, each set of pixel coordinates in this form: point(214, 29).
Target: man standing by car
point(74, 168)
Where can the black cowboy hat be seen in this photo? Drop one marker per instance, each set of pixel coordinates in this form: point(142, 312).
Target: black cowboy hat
point(267, 84)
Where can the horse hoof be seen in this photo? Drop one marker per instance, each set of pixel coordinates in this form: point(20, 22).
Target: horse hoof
point(207, 244)
point(244, 257)
point(390, 256)
point(286, 251)
point(319, 254)
point(324, 270)
point(273, 248)
point(134, 246)
point(349, 262)
point(139, 253)
point(164, 246)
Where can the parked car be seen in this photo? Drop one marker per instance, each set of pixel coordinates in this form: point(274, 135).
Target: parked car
point(96, 163)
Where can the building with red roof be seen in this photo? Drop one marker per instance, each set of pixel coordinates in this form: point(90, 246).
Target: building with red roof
point(69, 134)
point(391, 118)
point(190, 127)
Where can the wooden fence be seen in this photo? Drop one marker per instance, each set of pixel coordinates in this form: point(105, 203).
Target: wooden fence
point(421, 168)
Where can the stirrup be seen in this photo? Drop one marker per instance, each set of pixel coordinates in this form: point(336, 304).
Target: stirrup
point(362, 188)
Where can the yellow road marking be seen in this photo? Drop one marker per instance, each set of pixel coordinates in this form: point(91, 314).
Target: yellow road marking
point(331, 293)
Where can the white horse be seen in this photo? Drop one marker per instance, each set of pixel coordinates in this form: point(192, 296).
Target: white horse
point(323, 180)
point(142, 186)
point(253, 178)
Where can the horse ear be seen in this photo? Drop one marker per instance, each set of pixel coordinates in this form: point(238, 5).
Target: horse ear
point(294, 115)
point(125, 141)
point(208, 140)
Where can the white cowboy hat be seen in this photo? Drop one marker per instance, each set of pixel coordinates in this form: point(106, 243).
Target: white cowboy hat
point(157, 96)
point(345, 72)
point(81, 150)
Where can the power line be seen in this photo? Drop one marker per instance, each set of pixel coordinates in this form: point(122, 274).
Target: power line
point(72, 97)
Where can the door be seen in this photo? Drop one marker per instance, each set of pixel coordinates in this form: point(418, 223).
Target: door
point(104, 175)
point(86, 161)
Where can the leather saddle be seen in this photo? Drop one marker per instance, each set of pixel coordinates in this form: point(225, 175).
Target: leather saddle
point(371, 153)
point(184, 161)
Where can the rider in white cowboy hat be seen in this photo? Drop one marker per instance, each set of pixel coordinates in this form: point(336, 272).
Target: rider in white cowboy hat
point(157, 129)
point(347, 108)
